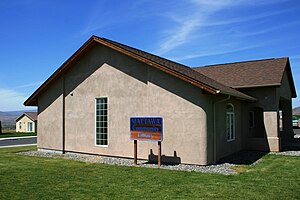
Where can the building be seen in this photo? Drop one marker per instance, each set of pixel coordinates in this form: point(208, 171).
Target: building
point(208, 112)
point(27, 122)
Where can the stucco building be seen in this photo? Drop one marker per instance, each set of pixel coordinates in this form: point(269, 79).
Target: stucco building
point(208, 112)
point(27, 122)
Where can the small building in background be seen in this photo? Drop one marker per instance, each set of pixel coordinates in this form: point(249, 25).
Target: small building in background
point(26, 122)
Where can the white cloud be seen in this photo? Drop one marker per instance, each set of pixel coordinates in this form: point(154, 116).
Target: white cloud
point(188, 22)
point(96, 20)
point(200, 15)
point(215, 5)
point(179, 36)
point(215, 52)
point(213, 22)
point(30, 84)
point(11, 100)
point(222, 3)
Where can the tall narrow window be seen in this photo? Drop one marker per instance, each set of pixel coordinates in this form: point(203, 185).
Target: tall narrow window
point(20, 125)
point(230, 122)
point(280, 120)
point(101, 121)
point(29, 127)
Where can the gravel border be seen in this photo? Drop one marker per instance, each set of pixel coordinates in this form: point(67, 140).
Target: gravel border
point(225, 166)
point(287, 153)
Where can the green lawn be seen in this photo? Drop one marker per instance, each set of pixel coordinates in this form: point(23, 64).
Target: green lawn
point(25, 177)
point(14, 134)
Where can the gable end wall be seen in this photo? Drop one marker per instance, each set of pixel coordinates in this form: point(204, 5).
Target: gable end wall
point(133, 89)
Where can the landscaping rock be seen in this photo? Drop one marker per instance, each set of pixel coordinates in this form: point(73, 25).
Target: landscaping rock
point(225, 166)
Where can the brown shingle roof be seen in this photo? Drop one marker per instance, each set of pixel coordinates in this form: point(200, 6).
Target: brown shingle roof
point(257, 73)
point(31, 115)
point(181, 71)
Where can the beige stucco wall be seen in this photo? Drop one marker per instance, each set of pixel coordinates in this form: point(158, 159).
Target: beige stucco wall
point(284, 97)
point(272, 129)
point(224, 147)
point(271, 100)
point(50, 117)
point(266, 98)
point(284, 90)
point(268, 102)
point(24, 124)
point(133, 89)
point(136, 89)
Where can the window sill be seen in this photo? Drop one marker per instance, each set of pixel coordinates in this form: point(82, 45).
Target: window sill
point(231, 140)
point(101, 145)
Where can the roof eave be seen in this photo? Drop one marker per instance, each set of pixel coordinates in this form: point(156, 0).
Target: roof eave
point(159, 66)
point(290, 78)
point(32, 100)
point(25, 114)
point(240, 96)
point(18, 118)
point(253, 86)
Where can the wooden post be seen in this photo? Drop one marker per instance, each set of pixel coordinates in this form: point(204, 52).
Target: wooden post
point(135, 152)
point(0, 127)
point(159, 154)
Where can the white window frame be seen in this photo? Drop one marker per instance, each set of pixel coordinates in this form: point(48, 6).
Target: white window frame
point(28, 127)
point(96, 121)
point(231, 117)
point(281, 125)
point(20, 125)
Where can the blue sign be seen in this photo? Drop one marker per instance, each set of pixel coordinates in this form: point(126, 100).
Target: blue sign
point(146, 128)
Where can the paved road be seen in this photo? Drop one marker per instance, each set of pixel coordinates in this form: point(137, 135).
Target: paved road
point(18, 141)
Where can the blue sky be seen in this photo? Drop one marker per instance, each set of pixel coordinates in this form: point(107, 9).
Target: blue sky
point(36, 37)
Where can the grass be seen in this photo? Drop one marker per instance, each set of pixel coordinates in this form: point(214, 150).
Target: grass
point(25, 177)
point(15, 134)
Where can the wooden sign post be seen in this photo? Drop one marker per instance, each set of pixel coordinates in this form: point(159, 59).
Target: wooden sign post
point(146, 129)
point(159, 154)
point(135, 152)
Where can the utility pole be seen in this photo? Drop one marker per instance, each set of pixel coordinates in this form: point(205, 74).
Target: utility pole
point(0, 127)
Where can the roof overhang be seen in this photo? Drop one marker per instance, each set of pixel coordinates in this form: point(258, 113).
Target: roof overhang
point(33, 99)
point(290, 79)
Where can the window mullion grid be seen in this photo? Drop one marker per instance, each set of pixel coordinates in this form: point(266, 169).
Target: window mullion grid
point(101, 121)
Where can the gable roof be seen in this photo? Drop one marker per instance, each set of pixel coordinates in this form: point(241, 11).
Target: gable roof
point(256, 73)
point(181, 71)
point(30, 115)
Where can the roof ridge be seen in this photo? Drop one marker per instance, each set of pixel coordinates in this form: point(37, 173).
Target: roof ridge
point(255, 73)
point(112, 41)
point(216, 84)
point(181, 71)
point(257, 60)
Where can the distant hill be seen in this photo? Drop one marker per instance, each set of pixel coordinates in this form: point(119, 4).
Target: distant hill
point(8, 118)
point(2, 113)
point(11, 113)
point(296, 111)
